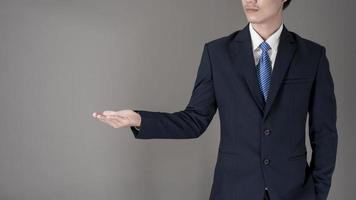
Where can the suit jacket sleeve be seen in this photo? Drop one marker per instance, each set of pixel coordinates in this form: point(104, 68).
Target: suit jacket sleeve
point(322, 128)
point(190, 122)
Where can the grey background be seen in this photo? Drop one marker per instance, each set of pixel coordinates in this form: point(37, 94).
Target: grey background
point(61, 60)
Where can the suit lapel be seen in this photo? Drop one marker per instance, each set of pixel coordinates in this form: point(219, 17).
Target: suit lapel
point(285, 53)
point(243, 60)
point(243, 63)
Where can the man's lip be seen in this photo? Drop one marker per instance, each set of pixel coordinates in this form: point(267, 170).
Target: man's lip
point(251, 9)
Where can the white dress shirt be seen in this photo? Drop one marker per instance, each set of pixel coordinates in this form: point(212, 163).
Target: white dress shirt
point(272, 40)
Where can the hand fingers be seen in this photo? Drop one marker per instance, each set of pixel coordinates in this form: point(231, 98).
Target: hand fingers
point(115, 117)
point(106, 114)
point(109, 112)
point(107, 121)
point(97, 115)
point(94, 114)
point(118, 121)
point(113, 120)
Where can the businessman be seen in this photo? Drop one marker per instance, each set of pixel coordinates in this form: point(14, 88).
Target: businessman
point(265, 80)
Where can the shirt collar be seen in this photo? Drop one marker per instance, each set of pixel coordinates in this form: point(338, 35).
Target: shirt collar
point(272, 40)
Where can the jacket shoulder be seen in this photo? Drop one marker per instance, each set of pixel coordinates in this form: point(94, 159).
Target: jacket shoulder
point(220, 43)
point(307, 44)
point(223, 39)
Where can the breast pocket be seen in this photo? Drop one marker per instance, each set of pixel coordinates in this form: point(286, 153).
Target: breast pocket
point(288, 80)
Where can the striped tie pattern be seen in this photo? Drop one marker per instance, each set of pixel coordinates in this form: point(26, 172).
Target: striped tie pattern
point(264, 70)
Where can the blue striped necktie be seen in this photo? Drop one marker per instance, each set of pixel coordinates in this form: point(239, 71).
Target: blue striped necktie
point(264, 70)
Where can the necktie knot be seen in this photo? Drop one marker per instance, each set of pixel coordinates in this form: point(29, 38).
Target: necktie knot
point(264, 46)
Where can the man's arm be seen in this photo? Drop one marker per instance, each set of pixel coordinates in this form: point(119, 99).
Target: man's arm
point(190, 122)
point(322, 128)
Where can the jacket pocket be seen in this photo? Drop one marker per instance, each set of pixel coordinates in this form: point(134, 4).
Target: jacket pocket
point(298, 156)
point(298, 80)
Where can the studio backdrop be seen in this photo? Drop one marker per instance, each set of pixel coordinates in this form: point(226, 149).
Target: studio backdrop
point(62, 60)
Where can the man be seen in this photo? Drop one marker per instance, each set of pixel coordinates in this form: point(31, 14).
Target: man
point(265, 80)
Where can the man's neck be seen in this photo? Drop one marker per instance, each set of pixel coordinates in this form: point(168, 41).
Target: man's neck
point(267, 29)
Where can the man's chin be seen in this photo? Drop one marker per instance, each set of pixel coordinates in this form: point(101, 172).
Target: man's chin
point(253, 20)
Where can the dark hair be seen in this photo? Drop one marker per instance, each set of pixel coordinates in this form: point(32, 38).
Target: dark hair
point(286, 4)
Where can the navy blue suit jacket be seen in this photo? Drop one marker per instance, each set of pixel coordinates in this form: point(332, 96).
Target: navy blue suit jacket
point(262, 145)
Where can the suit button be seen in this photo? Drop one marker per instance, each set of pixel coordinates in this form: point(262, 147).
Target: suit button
point(267, 132)
point(266, 161)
